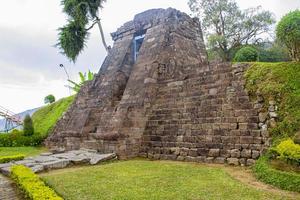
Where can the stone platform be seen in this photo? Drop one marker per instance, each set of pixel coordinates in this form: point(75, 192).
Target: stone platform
point(49, 161)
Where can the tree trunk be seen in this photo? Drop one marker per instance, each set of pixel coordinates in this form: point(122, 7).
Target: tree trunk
point(102, 35)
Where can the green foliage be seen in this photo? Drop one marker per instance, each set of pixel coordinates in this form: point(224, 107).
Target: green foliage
point(49, 99)
point(246, 54)
point(32, 186)
point(6, 159)
point(281, 179)
point(17, 139)
point(276, 53)
point(73, 36)
point(227, 27)
point(83, 79)
point(45, 118)
point(288, 32)
point(28, 126)
point(279, 81)
point(288, 151)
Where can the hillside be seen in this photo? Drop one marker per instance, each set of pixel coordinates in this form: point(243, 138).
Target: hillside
point(45, 118)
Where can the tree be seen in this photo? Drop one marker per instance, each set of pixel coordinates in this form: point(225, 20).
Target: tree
point(83, 79)
point(28, 126)
point(246, 54)
point(288, 32)
point(73, 36)
point(227, 27)
point(49, 99)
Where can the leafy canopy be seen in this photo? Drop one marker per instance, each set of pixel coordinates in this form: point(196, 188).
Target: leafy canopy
point(288, 32)
point(73, 36)
point(28, 126)
point(49, 99)
point(227, 27)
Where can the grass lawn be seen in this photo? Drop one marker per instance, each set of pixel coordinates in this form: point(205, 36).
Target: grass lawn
point(153, 180)
point(27, 151)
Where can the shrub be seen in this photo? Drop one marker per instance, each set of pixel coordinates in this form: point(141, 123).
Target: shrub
point(28, 126)
point(33, 187)
point(246, 54)
point(5, 159)
point(288, 32)
point(17, 139)
point(284, 180)
point(49, 99)
point(288, 151)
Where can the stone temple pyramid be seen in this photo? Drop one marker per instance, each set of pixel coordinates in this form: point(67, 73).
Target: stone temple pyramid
point(157, 96)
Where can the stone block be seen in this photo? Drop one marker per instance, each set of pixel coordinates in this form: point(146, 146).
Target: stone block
point(209, 159)
point(57, 164)
point(250, 162)
point(214, 152)
point(233, 161)
point(235, 153)
point(180, 158)
point(255, 154)
point(246, 139)
point(193, 153)
point(246, 153)
point(96, 158)
point(220, 160)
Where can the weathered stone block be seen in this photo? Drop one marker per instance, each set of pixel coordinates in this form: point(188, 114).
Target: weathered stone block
point(246, 153)
point(214, 152)
point(255, 154)
point(235, 153)
point(233, 161)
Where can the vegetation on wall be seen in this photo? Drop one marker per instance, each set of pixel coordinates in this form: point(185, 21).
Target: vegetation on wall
point(279, 82)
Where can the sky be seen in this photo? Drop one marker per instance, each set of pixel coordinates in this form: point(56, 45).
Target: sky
point(29, 61)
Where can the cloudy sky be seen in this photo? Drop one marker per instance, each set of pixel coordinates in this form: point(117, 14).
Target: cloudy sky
point(28, 31)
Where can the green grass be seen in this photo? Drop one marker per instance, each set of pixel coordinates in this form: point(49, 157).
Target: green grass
point(281, 82)
point(27, 151)
point(148, 180)
point(45, 118)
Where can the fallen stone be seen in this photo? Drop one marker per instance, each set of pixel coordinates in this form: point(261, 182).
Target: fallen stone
point(58, 164)
point(79, 159)
point(43, 159)
point(5, 171)
point(46, 154)
point(37, 168)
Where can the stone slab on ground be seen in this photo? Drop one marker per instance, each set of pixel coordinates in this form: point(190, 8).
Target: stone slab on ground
point(50, 161)
point(8, 190)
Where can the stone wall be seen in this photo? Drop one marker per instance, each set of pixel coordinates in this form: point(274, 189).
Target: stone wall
point(169, 104)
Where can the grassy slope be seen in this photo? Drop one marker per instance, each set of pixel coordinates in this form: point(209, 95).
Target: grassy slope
point(279, 81)
point(45, 118)
point(27, 151)
point(142, 179)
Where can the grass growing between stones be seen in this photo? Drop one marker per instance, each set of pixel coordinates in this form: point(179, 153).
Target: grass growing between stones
point(27, 151)
point(142, 179)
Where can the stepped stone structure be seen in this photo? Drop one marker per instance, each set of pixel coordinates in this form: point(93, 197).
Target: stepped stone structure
point(157, 96)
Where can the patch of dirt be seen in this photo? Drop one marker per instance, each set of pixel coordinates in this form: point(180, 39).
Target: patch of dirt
point(246, 176)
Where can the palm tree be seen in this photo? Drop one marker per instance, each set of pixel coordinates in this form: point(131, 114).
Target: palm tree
point(73, 36)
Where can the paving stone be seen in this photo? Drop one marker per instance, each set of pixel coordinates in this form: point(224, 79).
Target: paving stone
point(57, 164)
point(46, 154)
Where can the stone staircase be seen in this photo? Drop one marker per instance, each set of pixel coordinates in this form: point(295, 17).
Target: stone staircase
point(207, 117)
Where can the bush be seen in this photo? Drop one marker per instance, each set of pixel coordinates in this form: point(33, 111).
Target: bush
point(49, 99)
point(33, 187)
point(288, 32)
point(246, 54)
point(284, 180)
point(28, 126)
point(6, 159)
point(17, 139)
point(288, 151)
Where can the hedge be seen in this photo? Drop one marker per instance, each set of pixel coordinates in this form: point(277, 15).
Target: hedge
point(6, 159)
point(282, 179)
point(33, 187)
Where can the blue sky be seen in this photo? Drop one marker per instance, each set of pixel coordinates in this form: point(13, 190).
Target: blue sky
point(29, 63)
